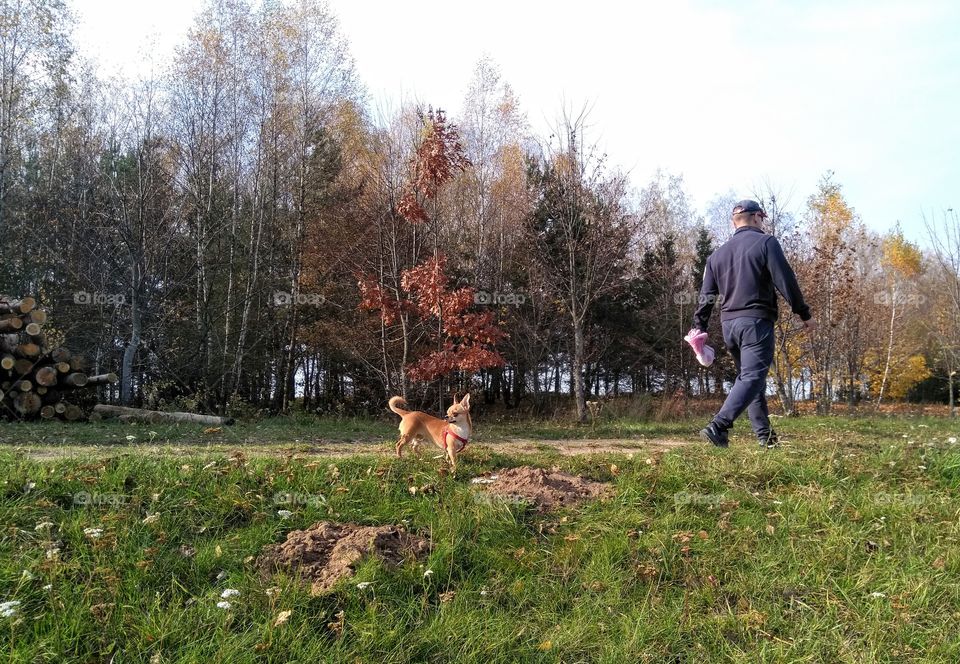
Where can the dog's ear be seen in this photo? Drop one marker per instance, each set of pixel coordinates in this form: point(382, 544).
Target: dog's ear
point(455, 399)
point(465, 402)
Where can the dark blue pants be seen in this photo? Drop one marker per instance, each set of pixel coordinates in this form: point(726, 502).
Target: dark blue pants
point(750, 342)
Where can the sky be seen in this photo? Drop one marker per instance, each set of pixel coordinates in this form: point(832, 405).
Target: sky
point(739, 95)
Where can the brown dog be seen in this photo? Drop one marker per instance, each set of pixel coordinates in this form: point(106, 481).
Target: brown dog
point(450, 435)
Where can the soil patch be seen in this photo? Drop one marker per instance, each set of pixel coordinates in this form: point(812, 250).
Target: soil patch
point(327, 551)
point(546, 489)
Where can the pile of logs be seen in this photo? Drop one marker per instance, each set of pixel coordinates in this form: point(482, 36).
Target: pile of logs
point(37, 381)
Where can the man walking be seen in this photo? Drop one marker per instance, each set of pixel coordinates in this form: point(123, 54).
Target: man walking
point(742, 275)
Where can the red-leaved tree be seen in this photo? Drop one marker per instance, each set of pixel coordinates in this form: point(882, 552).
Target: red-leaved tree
point(439, 157)
point(439, 334)
point(462, 340)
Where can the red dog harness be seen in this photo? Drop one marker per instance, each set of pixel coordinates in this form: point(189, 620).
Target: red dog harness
point(447, 432)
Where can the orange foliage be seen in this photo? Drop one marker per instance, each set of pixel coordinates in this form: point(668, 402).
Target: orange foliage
point(439, 157)
point(466, 339)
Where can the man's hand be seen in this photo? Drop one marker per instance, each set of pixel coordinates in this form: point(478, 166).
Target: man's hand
point(809, 325)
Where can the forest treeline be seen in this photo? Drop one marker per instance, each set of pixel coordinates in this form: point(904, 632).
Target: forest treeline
point(244, 230)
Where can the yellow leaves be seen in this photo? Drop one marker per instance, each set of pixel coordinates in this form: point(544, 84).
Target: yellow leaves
point(912, 372)
point(906, 371)
point(336, 626)
point(830, 215)
point(752, 619)
point(565, 165)
point(647, 571)
point(901, 256)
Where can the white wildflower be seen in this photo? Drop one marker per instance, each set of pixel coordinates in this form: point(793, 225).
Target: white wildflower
point(363, 585)
point(43, 525)
point(224, 605)
point(284, 514)
point(49, 586)
point(229, 592)
point(429, 572)
point(877, 595)
point(9, 609)
point(93, 533)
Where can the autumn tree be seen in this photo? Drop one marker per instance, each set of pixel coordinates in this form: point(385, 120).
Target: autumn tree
point(943, 234)
point(901, 263)
point(829, 282)
point(490, 201)
point(581, 232)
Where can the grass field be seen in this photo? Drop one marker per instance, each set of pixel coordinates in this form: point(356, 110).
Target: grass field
point(842, 546)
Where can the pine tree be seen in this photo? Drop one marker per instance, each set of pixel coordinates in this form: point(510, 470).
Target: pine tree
point(704, 248)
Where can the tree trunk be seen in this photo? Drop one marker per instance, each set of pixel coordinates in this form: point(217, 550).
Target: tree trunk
point(130, 352)
point(576, 369)
point(886, 366)
point(159, 416)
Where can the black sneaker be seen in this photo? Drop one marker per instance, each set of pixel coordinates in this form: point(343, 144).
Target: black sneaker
point(715, 435)
point(769, 439)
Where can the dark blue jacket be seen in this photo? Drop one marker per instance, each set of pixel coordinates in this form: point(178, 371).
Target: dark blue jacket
point(741, 276)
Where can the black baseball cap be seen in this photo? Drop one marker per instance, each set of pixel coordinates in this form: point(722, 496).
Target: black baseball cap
point(747, 205)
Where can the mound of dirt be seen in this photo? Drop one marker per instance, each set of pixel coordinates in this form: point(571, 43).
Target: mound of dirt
point(546, 489)
point(326, 552)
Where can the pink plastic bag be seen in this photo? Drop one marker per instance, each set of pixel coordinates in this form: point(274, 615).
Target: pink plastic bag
point(698, 342)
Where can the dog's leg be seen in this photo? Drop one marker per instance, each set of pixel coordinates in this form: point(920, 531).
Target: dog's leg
point(404, 439)
point(452, 454)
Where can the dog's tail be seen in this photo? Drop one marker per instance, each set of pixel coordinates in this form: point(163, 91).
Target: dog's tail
point(394, 405)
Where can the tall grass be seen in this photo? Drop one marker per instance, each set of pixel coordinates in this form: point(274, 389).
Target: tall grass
point(839, 547)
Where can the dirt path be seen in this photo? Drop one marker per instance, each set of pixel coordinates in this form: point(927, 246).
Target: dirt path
point(326, 449)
